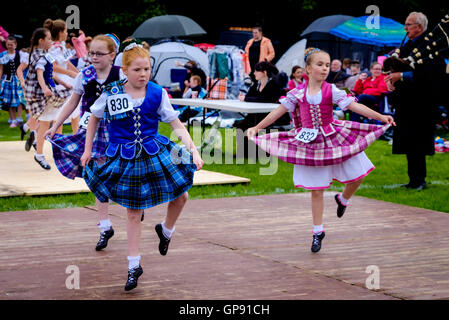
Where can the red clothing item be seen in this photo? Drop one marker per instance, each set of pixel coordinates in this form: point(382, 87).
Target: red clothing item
point(372, 87)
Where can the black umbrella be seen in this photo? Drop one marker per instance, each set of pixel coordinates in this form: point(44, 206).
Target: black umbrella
point(325, 24)
point(168, 26)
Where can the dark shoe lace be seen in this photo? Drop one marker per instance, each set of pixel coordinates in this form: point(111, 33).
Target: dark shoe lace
point(316, 240)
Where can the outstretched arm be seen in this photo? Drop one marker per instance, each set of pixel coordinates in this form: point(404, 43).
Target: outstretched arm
point(19, 73)
point(185, 138)
point(269, 119)
point(58, 69)
point(369, 113)
point(90, 134)
point(66, 111)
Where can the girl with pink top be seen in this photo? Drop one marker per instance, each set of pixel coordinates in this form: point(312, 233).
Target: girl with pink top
point(321, 148)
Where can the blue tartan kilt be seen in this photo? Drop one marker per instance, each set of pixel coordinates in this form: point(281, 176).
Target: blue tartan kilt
point(144, 181)
point(11, 93)
point(68, 150)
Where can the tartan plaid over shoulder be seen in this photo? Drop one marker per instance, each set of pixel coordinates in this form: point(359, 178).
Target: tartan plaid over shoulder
point(113, 88)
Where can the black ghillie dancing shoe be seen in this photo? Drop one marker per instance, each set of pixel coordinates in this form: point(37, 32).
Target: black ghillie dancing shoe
point(133, 275)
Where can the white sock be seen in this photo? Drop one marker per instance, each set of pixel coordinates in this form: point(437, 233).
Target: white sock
point(133, 262)
point(318, 229)
point(26, 127)
point(104, 225)
point(343, 201)
point(167, 232)
point(40, 156)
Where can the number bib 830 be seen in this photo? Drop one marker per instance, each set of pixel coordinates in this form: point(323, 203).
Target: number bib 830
point(306, 135)
point(84, 121)
point(119, 103)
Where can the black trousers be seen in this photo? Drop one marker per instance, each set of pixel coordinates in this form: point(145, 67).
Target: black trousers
point(416, 163)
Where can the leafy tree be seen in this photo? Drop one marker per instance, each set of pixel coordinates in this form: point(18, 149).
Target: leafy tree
point(127, 18)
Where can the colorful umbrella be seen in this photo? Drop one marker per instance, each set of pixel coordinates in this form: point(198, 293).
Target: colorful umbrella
point(373, 30)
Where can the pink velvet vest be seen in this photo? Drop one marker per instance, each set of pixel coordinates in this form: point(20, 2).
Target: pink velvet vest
point(315, 116)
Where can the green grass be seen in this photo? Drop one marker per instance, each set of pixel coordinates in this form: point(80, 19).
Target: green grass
point(13, 134)
point(382, 184)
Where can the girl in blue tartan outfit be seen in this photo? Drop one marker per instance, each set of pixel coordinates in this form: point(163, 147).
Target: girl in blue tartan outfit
point(68, 149)
point(143, 169)
point(11, 91)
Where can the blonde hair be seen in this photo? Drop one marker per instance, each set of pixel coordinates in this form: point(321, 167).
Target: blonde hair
point(197, 78)
point(309, 53)
point(132, 54)
point(146, 45)
point(110, 44)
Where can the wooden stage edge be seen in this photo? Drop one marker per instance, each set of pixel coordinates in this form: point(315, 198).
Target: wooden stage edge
point(243, 248)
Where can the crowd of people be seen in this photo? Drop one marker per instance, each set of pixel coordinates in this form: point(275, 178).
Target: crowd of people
point(102, 87)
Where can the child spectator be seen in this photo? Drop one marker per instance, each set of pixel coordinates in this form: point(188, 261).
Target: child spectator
point(355, 71)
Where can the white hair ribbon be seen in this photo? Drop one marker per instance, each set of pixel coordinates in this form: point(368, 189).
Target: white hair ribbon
point(132, 45)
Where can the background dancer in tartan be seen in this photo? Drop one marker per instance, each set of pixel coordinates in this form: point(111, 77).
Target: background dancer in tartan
point(62, 66)
point(11, 92)
point(143, 169)
point(68, 149)
point(321, 148)
point(41, 94)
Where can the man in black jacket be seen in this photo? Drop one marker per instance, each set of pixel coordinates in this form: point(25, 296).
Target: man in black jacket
point(415, 98)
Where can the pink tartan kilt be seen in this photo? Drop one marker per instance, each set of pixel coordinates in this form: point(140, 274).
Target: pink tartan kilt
point(349, 139)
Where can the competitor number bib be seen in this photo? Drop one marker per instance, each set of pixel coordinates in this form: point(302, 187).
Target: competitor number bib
point(85, 120)
point(306, 135)
point(119, 103)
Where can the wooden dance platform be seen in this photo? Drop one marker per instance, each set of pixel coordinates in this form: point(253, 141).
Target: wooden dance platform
point(232, 248)
point(21, 175)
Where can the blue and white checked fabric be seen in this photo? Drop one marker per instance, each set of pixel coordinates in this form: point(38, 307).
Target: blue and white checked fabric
point(68, 150)
point(11, 92)
point(144, 181)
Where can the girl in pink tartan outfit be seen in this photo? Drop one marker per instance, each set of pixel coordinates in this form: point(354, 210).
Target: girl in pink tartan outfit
point(321, 148)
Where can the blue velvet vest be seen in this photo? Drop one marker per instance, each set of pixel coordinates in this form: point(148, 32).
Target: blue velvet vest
point(92, 89)
point(48, 74)
point(137, 129)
